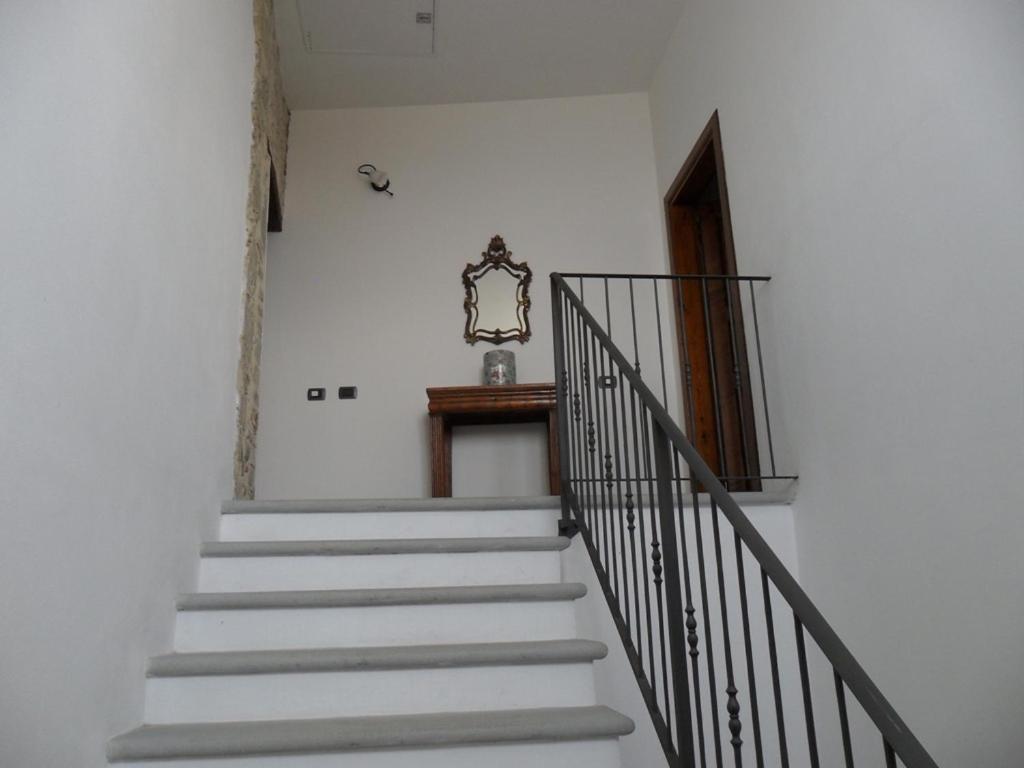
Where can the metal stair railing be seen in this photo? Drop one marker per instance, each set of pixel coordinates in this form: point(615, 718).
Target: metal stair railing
point(717, 668)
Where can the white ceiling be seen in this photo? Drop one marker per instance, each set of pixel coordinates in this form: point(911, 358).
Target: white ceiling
point(484, 50)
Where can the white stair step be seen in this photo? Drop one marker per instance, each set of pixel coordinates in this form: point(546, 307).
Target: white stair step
point(346, 682)
point(383, 518)
point(376, 617)
point(590, 753)
point(541, 738)
point(352, 564)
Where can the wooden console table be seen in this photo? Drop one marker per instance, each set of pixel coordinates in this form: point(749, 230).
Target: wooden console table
point(499, 404)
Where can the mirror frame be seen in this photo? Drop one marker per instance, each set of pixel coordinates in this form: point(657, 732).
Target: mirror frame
point(497, 257)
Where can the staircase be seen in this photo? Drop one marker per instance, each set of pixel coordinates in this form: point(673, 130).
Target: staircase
point(431, 633)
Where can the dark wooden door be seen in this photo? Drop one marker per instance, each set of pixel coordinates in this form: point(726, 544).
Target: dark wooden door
point(718, 404)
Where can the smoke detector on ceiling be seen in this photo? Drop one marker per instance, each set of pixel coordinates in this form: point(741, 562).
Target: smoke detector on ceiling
point(374, 27)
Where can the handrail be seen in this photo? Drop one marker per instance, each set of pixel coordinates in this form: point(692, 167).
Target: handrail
point(896, 736)
point(681, 276)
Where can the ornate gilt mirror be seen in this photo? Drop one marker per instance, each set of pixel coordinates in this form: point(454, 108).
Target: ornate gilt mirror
point(497, 297)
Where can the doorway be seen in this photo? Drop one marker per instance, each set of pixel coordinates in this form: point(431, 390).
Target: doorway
point(717, 400)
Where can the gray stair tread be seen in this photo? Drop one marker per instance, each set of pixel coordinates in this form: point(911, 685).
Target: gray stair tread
point(478, 504)
point(391, 657)
point(330, 547)
point(280, 737)
point(350, 598)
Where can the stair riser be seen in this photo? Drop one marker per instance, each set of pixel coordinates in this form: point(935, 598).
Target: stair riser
point(373, 692)
point(245, 574)
point(597, 753)
point(387, 525)
point(267, 629)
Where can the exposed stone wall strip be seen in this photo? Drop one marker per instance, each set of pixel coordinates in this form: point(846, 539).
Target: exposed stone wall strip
point(270, 118)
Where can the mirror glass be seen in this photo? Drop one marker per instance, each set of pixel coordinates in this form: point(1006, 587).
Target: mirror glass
point(497, 301)
point(497, 297)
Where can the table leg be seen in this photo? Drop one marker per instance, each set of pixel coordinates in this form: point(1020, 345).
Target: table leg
point(440, 456)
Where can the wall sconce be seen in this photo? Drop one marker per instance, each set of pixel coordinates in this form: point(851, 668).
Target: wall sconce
point(378, 179)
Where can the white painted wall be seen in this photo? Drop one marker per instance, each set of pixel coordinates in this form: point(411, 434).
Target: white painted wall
point(366, 290)
point(124, 161)
point(875, 163)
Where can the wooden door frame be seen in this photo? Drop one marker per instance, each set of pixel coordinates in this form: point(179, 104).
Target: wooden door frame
point(704, 162)
point(690, 175)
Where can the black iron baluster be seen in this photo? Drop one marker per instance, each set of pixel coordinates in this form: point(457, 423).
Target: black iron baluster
point(679, 288)
point(680, 701)
point(593, 474)
point(890, 754)
point(688, 610)
point(649, 476)
point(844, 723)
point(593, 443)
point(607, 313)
point(617, 532)
point(612, 449)
point(581, 429)
point(732, 705)
point(570, 471)
point(619, 468)
point(751, 685)
point(630, 506)
point(562, 399)
point(588, 506)
point(588, 410)
point(805, 685)
point(709, 653)
point(760, 368)
point(738, 382)
point(566, 312)
point(637, 428)
point(572, 401)
point(709, 337)
point(579, 446)
point(632, 312)
point(658, 569)
point(603, 456)
point(661, 347)
point(773, 658)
